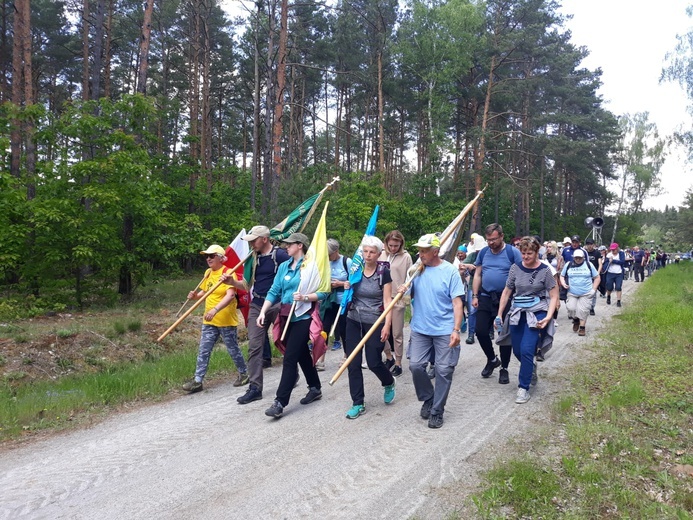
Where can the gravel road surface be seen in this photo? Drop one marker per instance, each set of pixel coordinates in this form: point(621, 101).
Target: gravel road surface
point(205, 456)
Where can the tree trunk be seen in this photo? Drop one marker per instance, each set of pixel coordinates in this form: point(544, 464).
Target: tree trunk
point(85, 50)
point(256, 118)
point(144, 47)
point(279, 94)
point(95, 82)
point(17, 87)
point(107, 53)
point(269, 190)
point(481, 150)
point(381, 131)
point(30, 148)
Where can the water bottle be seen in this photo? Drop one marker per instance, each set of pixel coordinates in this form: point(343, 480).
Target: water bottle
point(498, 324)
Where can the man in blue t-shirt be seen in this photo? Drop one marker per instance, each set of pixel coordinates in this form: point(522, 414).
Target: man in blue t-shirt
point(492, 266)
point(265, 261)
point(437, 314)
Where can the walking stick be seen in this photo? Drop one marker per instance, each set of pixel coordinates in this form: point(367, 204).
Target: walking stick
point(199, 302)
point(451, 229)
point(188, 299)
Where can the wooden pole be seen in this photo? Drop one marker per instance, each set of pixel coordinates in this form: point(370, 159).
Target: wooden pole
point(288, 320)
point(199, 302)
point(188, 299)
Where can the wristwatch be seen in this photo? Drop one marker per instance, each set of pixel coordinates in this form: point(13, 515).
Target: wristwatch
point(305, 298)
point(457, 330)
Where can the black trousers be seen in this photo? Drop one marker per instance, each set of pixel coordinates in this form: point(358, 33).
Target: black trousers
point(486, 312)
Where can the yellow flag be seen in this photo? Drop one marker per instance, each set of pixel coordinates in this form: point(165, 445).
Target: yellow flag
point(315, 270)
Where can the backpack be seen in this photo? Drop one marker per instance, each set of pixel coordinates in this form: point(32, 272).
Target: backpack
point(508, 252)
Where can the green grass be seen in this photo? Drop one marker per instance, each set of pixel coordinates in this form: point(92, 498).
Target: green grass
point(49, 404)
point(624, 428)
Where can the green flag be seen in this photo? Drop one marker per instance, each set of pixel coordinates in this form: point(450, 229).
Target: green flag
point(297, 219)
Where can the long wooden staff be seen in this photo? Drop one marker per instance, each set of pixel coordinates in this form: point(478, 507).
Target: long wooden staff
point(188, 299)
point(204, 297)
point(458, 220)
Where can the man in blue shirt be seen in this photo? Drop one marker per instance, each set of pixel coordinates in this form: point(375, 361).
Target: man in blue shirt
point(437, 315)
point(492, 266)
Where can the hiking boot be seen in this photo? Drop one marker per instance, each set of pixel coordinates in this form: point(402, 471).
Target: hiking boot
point(431, 371)
point(576, 324)
point(581, 332)
point(355, 411)
point(396, 371)
point(535, 378)
point(336, 345)
point(426, 408)
point(389, 363)
point(540, 355)
point(470, 339)
point(592, 313)
point(608, 300)
point(435, 421)
point(276, 410)
point(252, 394)
point(618, 303)
point(503, 377)
point(490, 367)
point(320, 366)
point(241, 380)
point(313, 395)
point(193, 386)
point(522, 396)
point(389, 392)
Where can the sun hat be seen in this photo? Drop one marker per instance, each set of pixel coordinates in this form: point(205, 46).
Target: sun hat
point(214, 249)
point(613, 245)
point(257, 232)
point(566, 240)
point(299, 238)
point(578, 253)
point(427, 241)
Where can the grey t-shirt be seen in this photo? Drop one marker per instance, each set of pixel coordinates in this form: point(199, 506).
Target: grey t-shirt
point(367, 302)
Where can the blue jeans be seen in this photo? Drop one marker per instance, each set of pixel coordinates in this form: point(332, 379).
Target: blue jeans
point(208, 338)
point(471, 314)
point(524, 342)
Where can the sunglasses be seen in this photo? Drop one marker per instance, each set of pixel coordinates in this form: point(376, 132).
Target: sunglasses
point(210, 256)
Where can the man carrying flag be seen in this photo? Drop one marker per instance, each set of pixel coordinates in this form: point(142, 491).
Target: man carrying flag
point(300, 283)
point(263, 269)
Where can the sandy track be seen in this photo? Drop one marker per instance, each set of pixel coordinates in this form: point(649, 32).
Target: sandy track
point(205, 456)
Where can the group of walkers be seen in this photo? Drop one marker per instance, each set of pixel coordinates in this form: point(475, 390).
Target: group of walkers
point(494, 290)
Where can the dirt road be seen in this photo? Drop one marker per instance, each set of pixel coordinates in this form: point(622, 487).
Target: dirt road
point(205, 456)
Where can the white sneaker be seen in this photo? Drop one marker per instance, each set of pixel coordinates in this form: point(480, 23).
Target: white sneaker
point(522, 396)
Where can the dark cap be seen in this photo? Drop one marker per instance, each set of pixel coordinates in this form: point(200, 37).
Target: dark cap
point(589, 241)
point(300, 238)
point(575, 238)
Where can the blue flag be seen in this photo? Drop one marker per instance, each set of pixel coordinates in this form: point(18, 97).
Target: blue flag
point(356, 269)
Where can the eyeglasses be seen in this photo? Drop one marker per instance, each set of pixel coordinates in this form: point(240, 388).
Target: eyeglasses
point(210, 256)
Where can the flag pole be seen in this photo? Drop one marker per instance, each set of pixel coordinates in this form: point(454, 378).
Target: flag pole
point(188, 299)
point(288, 320)
point(316, 204)
point(419, 269)
point(203, 298)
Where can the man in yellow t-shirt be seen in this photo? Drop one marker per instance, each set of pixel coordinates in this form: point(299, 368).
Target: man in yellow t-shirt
point(220, 319)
